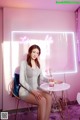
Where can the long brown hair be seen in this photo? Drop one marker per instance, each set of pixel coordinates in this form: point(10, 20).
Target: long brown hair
point(29, 55)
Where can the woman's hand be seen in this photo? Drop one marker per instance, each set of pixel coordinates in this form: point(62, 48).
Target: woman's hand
point(58, 81)
point(37, 94)
point(55, 81)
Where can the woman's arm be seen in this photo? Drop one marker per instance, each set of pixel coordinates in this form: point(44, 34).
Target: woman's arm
point(23, 76)
point(41, 78)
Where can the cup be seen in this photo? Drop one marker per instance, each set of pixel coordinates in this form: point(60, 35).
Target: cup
point(51, 83)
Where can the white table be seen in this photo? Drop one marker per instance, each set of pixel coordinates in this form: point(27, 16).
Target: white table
point(57, 88)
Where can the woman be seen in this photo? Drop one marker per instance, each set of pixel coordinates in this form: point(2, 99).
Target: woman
point(30, 76)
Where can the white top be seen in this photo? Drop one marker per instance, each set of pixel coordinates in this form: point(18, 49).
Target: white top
point(56, 87)
point(30, 78)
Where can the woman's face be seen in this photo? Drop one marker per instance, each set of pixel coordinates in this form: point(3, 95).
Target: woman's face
point(34, 53)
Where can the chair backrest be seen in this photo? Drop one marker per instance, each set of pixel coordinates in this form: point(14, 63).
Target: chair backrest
point(16, 84)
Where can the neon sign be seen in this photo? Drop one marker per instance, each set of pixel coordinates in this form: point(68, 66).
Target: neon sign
point(58, 49)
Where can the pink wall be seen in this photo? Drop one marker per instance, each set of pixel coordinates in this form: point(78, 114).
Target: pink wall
point(28, 19)
point(1, 95)
point(78, 31)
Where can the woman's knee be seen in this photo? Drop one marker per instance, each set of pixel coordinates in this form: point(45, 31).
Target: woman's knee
point(42, 101)
point(49, 97)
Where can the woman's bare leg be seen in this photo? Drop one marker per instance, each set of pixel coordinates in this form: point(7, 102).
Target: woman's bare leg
point(41, 105)
point(42, 109)
point(48, 98)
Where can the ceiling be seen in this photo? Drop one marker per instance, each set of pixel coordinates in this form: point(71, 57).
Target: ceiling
point(39, 4)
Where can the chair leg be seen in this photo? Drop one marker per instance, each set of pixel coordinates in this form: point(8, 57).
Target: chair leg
point(17, 110)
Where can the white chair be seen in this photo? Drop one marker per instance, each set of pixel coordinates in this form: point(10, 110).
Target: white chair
point(78, 98)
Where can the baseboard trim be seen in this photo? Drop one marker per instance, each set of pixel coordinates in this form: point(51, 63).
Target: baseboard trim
point(20, 110)
point(72, 102)
point(0, 110)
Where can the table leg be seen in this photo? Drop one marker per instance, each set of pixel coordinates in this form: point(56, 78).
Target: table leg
point(60, 108)
point(65, 103)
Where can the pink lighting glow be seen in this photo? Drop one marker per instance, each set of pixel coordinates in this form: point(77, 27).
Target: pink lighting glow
point(58, 50)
